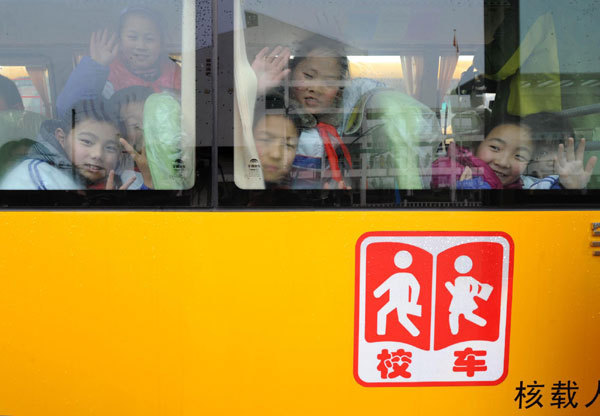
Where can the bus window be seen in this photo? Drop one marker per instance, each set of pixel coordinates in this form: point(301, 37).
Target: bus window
point(398, 100)
point(32, 83)
point(108, 101)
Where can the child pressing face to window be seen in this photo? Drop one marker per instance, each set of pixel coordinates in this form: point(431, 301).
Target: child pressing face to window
point(549, 129)
point(132, 115)
point(128, 106)
point(543, 160)
point(507, 150)
point(314, 82)
point(276, 138)
point(317, 70)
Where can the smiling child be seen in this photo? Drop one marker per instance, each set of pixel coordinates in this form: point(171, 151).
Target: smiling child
point(79, 153)
point(135, 55)
point(502, 158)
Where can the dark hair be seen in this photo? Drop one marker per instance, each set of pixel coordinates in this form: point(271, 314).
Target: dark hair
point(542, 126)
point(548, 127)
point(274, 105)
point(97, 110)
point(134, 94)
point(505, 119)
point(10, 94)
point(147, 13)
point(329, 47)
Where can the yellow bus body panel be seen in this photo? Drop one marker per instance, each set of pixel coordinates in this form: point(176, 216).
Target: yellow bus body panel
point(187, 313)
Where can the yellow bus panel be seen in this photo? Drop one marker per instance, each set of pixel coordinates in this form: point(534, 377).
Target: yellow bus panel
point(227, 313)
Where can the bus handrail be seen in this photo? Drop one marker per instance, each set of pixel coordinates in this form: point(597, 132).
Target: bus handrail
point(581, 111)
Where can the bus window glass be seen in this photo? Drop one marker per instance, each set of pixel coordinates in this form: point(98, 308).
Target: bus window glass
point(32, 85)
point(96, 102)
point(420, 96)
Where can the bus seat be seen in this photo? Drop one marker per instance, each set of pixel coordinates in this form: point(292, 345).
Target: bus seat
point(18, 124)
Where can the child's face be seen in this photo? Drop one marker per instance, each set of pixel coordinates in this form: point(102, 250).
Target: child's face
point(542, 161)
point(93, 148)
point(140, 42)
point(276, 141)
point(314, 72)
point(132, 115)
point(507, 150)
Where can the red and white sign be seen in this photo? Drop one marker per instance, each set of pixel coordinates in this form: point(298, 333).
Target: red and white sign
point(432, 308)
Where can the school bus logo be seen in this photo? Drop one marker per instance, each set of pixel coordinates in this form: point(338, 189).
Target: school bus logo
point(432, 308)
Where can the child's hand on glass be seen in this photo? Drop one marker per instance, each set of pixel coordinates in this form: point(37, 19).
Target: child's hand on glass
point(104, 47)
point(110, 182)
point(140, 160)
point(270, 67)
point(570, 168)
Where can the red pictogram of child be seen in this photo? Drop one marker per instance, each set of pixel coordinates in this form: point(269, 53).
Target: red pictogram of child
point(464, 291)
point(403, 291)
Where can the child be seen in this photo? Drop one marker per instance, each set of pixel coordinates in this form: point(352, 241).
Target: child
point(543, 160)
point(135, 57)
point(15, 122)
point(502, 158)
point(128, 107)
point(80, 153)
point(10, 99)
point(570, 172)
point(507, 150)
point(276, 137)
point(317, 71)
point(548, 130)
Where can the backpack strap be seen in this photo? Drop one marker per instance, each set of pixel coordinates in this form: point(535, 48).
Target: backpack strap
point(327, 131)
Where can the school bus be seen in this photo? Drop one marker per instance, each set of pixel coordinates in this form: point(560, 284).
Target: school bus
point(229, 296)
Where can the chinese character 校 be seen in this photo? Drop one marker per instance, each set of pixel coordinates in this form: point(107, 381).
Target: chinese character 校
point(395, 364)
